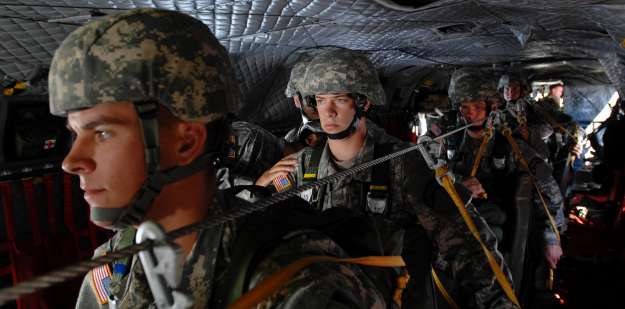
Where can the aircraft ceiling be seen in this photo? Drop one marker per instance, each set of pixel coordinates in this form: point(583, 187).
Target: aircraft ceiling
point(577, 41)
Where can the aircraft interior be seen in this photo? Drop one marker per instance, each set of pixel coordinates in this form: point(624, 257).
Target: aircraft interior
point(415, 46)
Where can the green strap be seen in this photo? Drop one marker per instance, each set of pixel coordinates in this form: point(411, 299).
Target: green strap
point(313, 165)
point(127, 239)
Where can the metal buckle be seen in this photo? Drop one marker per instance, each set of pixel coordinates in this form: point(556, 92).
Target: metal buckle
point(377, 205)
point(163, 267)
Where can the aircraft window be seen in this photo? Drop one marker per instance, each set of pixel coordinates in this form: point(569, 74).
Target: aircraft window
point(540, 89)
point(601, 117)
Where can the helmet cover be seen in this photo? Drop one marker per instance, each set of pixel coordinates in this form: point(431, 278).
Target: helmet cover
point(473, 85)
point(343, 71)
point(141, 55)
point(512, 79)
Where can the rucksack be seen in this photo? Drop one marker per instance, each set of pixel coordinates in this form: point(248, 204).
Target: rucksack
point(357, 234)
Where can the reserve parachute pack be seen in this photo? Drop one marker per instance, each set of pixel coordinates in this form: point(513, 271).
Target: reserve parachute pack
point(263, 231)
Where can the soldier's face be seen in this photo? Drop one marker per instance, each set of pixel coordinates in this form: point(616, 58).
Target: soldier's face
point(336, 111)
point(511, 93)
point(107, 154)
point(472, 111)
point(557, 91)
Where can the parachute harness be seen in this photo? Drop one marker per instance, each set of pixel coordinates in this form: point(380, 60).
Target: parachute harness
point(443, 174)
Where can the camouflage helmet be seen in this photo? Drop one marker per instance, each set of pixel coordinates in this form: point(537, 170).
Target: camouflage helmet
point(343, 71)
point(257, 150)
point(296, 81)
point(472, 85)
point(145, 55)
point(512, 79)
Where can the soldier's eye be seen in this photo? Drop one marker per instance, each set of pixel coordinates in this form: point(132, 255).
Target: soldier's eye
point(103, 135)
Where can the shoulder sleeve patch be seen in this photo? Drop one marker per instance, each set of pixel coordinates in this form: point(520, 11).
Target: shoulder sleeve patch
point(101, 278)
point(436, 130)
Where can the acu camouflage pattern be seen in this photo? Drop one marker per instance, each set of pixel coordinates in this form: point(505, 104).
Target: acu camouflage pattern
point(343, 71)
point(203, 269)
point(145, 54)
point(512, 79)
point(415, 196)
point(321, 285)
point(498, 183)
point(473, 85)
point(296, 81)
point(565, 120)
point(258, 150)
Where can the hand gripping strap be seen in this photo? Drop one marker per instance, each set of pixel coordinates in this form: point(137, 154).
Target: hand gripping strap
point(277, 280)
point(151, 188)
point(501, 277)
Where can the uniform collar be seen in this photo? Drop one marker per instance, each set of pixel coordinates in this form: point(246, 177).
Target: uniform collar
point(364, 155)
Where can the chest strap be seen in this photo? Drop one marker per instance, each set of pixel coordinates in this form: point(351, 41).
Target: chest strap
point(377, 198)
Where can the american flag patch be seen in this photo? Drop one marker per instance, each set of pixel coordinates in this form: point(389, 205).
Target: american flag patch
point(281, 182)
point(101, 278)
point(232, 154)
point(436, 130)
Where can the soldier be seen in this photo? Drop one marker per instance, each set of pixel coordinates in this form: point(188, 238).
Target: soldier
point(555, 95)
point(126, 88)
point(344, 85)
point(499, 166)
point(513, 87)
point(310, 118)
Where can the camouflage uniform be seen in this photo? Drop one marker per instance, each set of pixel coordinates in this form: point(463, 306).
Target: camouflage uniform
point(321, 285)
point(498, 182)
point(135, 56)
point(537, 124)
point(414, 194)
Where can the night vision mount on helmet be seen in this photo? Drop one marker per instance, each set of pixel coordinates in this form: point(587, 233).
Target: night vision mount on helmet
point(102, 63)
point(343, 71)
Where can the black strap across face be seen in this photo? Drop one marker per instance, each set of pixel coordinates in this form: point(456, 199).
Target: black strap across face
point(152, 187)
point(361, 101)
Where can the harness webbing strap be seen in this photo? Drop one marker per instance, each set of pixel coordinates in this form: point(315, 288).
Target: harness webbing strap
point(313, 165)
point(487, 134)
point(31, 208)
point(448, 184)
point(50, 199)
point(506, 132)
point(538, 108)
point(450, 300)
point(277, 280)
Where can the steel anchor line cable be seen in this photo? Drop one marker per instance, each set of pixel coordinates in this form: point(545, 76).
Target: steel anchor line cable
point(59, 276)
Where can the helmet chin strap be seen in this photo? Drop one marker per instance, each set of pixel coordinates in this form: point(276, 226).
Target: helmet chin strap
point(360, 104)
point(152, 187)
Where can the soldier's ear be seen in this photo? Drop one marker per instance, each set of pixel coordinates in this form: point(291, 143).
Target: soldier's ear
point(367, 105)
point(296, 99)
point(191, 142)
point(494, 107)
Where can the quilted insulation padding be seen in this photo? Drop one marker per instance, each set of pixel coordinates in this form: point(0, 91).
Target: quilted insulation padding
point(263, 36)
